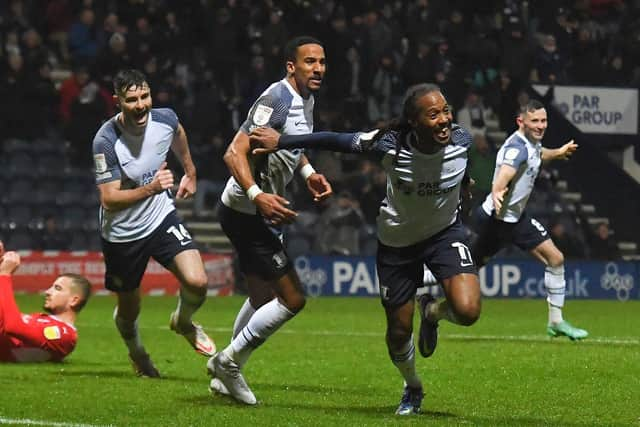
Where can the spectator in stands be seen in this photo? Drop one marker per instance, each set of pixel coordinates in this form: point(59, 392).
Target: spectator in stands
point(213, 173)
point(586, 60)
point(83, 42)
point(42, 101)
point(14, 115)
point(474, 115)
point(39, 337)
point(550, 64)
point(570, 246)
point(88, 111)
point(338, 228)
point(51, 237)
point(138, 219)
point(482, 163)
point(114, 57)
point(384, 92)
point(602, 245)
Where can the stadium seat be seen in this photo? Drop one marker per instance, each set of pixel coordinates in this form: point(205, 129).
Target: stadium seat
point(18, 216)
point(72, 218)
point(51, 166)
point(21, 240)
point(20, 165)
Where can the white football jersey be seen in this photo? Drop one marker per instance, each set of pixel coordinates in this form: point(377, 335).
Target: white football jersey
point(526, 158)
point(134, 160)
point(282, 108)
point(423, 190)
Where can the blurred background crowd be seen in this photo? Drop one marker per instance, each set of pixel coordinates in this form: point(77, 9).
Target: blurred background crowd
point(209, 60)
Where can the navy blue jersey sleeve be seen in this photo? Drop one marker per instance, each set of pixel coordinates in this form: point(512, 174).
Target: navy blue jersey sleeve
point(104, 154)
point(515, 154)
point(267, 111)
point(359, 142)
point(166, 116)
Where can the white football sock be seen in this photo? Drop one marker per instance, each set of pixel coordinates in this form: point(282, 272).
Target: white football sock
point(264, 322)
point(554, 283)
point(129, 332)
point(189, 302)
point(242, 318)
point(405, 361)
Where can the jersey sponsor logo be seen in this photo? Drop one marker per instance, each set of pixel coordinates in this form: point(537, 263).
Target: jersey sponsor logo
point(300, 122)
point(262, 114)
point(52, 333)
point(100, 162)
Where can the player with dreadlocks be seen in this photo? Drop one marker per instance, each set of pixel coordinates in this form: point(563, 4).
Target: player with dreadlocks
point(425, 157)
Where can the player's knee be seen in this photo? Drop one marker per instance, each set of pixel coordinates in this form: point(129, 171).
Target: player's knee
point(397, 339)
point(468, 313)
point(557, 260)
point(295, 303)
point(196, 280)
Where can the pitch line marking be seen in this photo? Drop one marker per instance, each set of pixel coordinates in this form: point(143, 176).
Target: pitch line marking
point(26, 421)
point(630, 341)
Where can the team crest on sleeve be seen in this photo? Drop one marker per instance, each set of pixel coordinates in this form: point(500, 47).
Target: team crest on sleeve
point(100, 162)
point(52, 333)
point(262, 114)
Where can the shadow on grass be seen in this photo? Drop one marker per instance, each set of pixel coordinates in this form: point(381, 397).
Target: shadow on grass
point(128, 374)
point(377, 411)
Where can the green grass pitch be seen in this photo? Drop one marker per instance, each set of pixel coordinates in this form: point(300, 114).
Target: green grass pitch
point(329, 366)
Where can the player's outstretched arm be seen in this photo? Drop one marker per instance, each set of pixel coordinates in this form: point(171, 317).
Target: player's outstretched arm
point(269, 140)
point(271, 206)
point(180, 147)
point(500, 185)
point(8, 309)
point(561, 153)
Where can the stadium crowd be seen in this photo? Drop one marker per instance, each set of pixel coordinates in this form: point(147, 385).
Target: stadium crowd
point(209, 60)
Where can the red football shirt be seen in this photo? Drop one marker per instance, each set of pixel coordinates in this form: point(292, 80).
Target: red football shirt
point(36, 337)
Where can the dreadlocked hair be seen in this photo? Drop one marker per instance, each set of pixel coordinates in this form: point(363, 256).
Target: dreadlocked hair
point(401, 124)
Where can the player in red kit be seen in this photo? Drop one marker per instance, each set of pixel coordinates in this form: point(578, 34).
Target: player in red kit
point(39, 337)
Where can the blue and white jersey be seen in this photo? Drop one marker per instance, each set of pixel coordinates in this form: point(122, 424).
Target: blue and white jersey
point(134, 160)
point(525, 157)
point(283, 109)
point(423, 190)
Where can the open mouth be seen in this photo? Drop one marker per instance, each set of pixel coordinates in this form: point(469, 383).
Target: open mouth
point(443, 134)
point(141, 118)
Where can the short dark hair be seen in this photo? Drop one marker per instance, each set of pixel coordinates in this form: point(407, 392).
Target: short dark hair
point(291, 48)
point(81, 286)
point(125, 79)
point(531, 106)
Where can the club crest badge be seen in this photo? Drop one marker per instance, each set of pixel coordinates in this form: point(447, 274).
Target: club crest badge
point(262, 114)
